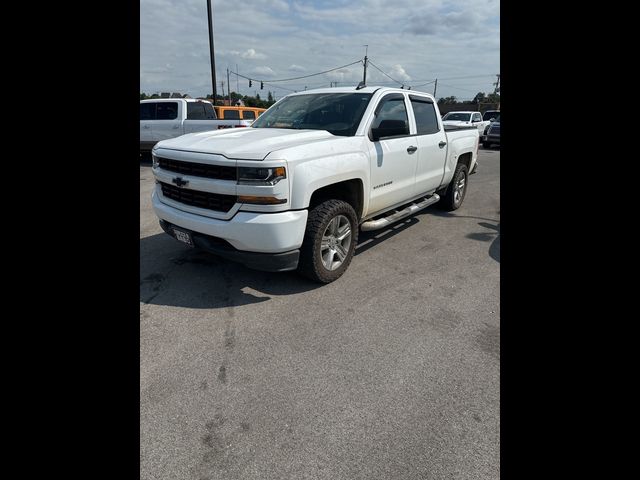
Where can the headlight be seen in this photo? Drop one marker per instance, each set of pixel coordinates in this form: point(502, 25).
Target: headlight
point(260, 176)
point(154, 161)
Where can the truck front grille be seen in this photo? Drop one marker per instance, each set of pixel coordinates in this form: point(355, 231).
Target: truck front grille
point(494, 131)
point(195, 198)
point(194, 169)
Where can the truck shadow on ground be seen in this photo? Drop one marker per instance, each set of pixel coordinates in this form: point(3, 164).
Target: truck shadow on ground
point(173, 275)
point(493, 234)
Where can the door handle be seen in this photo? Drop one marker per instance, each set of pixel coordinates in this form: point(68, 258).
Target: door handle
point(411, 149)
point(176, 126)
point(145, 126)
point(442, 144)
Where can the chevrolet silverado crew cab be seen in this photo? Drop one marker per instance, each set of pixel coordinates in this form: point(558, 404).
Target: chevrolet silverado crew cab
point(293, 190)
point(161, 119)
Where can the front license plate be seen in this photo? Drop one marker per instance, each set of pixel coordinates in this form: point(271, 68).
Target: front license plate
point(184, 237)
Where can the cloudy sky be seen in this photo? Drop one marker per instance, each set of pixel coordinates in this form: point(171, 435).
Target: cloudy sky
point(411, 41)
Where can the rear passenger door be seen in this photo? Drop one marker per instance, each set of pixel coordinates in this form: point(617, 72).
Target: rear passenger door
point(200, 117)
point(168, 121)
point(432, 141)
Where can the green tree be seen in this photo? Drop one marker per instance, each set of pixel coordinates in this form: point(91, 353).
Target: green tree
point(447, 101)
point(270, 99)
point(480, 98)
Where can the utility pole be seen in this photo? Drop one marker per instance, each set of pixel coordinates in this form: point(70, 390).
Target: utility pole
point(213, 60)
point(228, 87)
point(497, 84)
point(237, 81)
point(435, 87)
point(364, 76)
point(222, 85)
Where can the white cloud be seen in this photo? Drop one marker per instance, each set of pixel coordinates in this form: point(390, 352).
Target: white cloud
point(264, 71)
point(252, 54)
point(279, 39)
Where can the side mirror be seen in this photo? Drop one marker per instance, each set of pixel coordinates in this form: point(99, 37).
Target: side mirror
point(389, 128)
point(491, 120)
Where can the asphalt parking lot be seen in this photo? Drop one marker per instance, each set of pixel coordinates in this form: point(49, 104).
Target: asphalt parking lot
point(391, 372)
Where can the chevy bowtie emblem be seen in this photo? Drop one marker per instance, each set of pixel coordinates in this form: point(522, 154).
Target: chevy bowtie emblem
point(180, 182)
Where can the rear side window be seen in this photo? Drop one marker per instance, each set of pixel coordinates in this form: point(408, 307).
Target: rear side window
point(249, 115)
point(148, 111)
point(425, 112)
point(232, 114)
point(392, 113)
point(167, 110)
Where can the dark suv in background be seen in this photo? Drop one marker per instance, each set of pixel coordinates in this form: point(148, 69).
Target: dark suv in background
point(492, 135)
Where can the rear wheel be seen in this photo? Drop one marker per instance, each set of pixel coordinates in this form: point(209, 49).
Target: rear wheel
point(456, 190)
point(329, 241)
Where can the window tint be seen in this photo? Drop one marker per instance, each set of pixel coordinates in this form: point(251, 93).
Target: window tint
point(209, 112)
point(458, 117)
point(391, 113)
point(195, 111)
point(248, 114)
point(148, 111)
point(426, 120)
point(232, 114)
point(167, 111)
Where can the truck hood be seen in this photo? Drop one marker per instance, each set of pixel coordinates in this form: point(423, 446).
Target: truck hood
point(245, 143)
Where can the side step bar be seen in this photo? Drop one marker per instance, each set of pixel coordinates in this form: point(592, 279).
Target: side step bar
point(410, 210)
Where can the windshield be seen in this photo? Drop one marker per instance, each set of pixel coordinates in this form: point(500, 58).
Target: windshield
point(460, 117)
point(490, 114)
point(338, 113)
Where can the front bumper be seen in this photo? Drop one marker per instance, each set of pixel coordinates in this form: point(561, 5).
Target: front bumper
point(269, 262)
point(244, 235)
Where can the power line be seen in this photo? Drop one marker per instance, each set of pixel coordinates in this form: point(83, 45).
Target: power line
point(389, 76)
point(304, 76)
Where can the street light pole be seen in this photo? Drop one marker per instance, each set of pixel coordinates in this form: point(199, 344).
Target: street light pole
point(213, 60)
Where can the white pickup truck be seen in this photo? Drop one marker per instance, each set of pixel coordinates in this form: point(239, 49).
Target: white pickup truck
point(165, 118)
point(294, 189)
point(462, 119)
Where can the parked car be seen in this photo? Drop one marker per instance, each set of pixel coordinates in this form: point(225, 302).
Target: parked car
point(294, 189)
point(161, 119)
point(466, 119)
point(493, 134)
point(235, 113)
point(489, 114)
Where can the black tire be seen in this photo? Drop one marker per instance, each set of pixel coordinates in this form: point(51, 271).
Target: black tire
point(449, 201)
point(311, 263)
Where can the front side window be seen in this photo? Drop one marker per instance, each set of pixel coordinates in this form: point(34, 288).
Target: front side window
point(425, 113)
point(195, 111)
point(167, 110)
point(249, 115)
point(392, 114)
point(477, 117)
point(209, 112)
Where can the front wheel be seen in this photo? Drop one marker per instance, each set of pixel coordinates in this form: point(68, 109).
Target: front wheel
point(456, 190)
point(329, 241)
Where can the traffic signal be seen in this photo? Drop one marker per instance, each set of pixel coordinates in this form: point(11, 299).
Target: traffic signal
point(261, 85)
point(249, 83)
